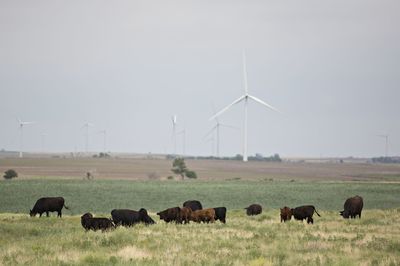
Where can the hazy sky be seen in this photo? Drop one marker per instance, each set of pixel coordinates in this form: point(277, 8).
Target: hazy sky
point(331, 67)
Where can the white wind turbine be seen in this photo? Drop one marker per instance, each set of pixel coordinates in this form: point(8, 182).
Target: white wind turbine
point(104, 132)
point(86, 126)
point(21, 132)
point(216, 129)
point(174, 122)
point(386, 137)
point(244, 98)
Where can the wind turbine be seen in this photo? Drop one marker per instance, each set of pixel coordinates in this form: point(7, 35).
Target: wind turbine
point(174, 122)
point(104, 132)
point(245, 97)
point(87, 125)
point(21, 132)
point(386, 137)
point(183, 133)
point(216, 129)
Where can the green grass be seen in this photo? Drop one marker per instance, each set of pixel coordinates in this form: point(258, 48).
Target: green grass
point(101, 196)
point(260, 240)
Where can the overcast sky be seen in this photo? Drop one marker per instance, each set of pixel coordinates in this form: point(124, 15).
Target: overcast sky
point(331, 67)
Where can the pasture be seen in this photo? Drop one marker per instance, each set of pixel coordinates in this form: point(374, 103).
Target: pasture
point(259, 240)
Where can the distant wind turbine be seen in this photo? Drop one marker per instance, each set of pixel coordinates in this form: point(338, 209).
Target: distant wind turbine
point(386, 137)
point(21, 136)
point(183, 133)
point(174, 122)
point(86, 126)
point(244, 98)
point(216, 129)
point(104, 132)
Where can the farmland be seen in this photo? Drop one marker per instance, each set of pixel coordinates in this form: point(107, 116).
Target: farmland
point(259, 240)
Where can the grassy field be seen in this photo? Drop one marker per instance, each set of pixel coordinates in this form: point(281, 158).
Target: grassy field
point(101, 196)
point(259, 240)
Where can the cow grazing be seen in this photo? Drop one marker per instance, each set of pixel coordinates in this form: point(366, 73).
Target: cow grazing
point(169, 215)
point(304, 212)
point(204, 215)
point(352, 207)
point(51, 204)
point(286, 214)
point(93, 223)
point(184, 215)
point(220, 214)
point(253, 209)
point(193, 204)
point(127, 217)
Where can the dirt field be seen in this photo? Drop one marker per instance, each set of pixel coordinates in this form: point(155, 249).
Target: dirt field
point(142, 169)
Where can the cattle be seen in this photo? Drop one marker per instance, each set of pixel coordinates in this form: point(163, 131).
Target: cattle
point(253, 209)
point(220, 214)
point(193, 204)
point(50, 204)
point(94, 223)
point(286, 214)
point(204, 215)
point(169, 215)
point(127, 217)
point(184, 215)
point(352, 207)
point(304, 212)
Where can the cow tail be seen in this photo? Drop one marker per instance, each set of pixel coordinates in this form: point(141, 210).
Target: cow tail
point(316, 211)
point(66, 207)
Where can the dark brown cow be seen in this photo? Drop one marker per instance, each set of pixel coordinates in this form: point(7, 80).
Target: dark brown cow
point(205, 215)
point(50, 204)
point(220, 214)
point(352, 207)
point(253, 209)
point(184, 215)
point(128, 217)
point(169, 215)
point(193, 204)
point(286, 214)
point(90, 223)
point(304, 212)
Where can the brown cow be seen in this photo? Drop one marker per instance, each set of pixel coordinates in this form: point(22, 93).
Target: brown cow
point(184, 215)
point(253, 209)
point(205, 215)
point(286, 214)
point(352, 207)
point(170, 215)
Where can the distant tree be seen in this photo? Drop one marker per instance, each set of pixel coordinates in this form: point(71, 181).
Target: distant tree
point(191, 174)
point(9, 174)
point(179, 167)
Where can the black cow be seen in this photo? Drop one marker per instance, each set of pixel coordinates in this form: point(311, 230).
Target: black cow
point(90, 223)
point(304, 212)
point(193, 204)
point(127, 217)
point(220, 214)
point(352, 207)
point(169, 215)
point(253, 209)
point(53, 204)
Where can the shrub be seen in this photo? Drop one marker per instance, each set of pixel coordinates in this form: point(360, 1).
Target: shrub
point(179, 167)
point(9, 174)
point(191, 174)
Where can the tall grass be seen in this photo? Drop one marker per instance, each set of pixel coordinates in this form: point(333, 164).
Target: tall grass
point(259, 240)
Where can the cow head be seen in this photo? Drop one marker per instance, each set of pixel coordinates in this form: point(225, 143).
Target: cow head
point(32, 213)
point(344, 214)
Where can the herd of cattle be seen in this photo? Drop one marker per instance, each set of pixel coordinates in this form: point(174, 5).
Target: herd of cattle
point(191, 210)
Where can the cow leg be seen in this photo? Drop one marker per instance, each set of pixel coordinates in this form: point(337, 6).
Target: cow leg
point(59, 214)
point(311, 220)
point(40, 214)
point(47, 214)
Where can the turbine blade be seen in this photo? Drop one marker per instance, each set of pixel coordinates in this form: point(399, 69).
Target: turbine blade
point(246, 89)
point(229, 126)
point(264, 103)
point(209, 132)
point(27, 123)
point(227, 107)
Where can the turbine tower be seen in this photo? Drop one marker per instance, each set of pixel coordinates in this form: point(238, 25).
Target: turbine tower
point(183, 133)
point(21, 134)
point(174, 121)
point(245, 97)
point(86, 126)
point(386, 137)
point(104, 132)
